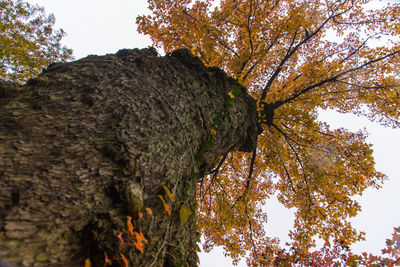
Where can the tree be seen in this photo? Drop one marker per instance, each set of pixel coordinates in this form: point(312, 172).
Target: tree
point(100, 158)
point(339, 254)
point(296, 57)
point(28, 41)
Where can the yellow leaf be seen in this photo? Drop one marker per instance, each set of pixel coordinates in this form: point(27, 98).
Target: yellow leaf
point(231, 95)
point(213, 132)
point(162, 199)
point(169, 194)
point(88, 263)
point(198, 249)
point(184, 213)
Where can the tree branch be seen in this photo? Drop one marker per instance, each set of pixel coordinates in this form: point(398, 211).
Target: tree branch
point(334, 78)
point(215, 171)
point(251, 234)
point(302, 167)
point(355, 50)
point(248, 28)
point(288, 175)
point(253, 158)
point(289, 54)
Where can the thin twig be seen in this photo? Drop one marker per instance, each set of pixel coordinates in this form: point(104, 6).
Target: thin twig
point(288, 175)
point(215, 171)
point(163, 244)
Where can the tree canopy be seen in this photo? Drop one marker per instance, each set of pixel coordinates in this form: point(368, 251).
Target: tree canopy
point(295, 57)
point(28, 40)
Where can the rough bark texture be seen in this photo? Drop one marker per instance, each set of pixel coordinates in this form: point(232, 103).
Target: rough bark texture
point(87, 143)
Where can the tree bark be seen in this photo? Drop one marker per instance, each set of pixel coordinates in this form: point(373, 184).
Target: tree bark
point(88, 143)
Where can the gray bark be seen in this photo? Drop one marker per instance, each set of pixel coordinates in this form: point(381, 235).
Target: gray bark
point(87, 143)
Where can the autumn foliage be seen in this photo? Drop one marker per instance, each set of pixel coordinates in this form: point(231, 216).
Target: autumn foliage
point(295, 57)
point(28, 41)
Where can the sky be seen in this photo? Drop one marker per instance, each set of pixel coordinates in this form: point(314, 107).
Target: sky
point(99, 27)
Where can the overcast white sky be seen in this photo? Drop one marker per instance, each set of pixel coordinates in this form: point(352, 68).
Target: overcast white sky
point(100, 27)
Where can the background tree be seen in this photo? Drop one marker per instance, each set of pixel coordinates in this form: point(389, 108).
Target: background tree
point(295, 57)
point(28, 41)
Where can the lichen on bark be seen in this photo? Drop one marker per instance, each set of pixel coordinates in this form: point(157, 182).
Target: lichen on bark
point(80, 139)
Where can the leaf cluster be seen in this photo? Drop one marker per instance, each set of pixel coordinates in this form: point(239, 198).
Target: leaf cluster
point(28, 40)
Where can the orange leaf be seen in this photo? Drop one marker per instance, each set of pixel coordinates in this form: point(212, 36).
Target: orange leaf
point(124, 259)
point(106, 259)
point(130, 226)
point(140, 237)
point(139, 246)
point(88, 263)
point(149, 211)
point(140, 215)
point(166, 206)
point(144, 239)
point(120, 237)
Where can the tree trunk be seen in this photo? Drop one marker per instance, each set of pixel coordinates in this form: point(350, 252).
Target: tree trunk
point(88, 143)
